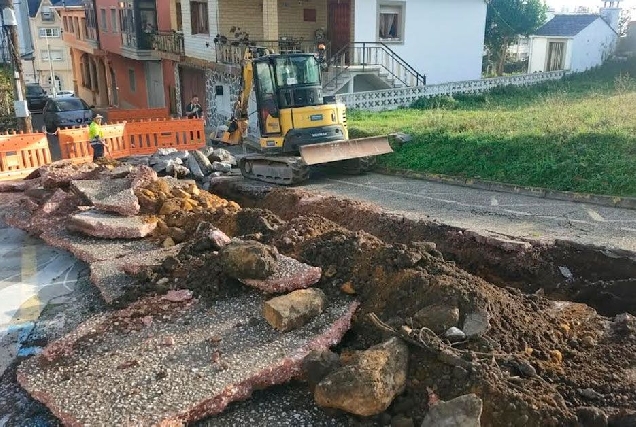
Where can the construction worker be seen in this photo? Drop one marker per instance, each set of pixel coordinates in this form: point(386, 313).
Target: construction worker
point(96, 137)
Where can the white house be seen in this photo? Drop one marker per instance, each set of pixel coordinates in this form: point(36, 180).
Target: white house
point(442, 39)
point(575, 42)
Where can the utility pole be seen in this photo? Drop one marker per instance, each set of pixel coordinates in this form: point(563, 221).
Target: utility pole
point(10, 31)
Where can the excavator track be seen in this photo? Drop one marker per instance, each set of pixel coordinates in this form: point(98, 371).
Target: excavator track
point(283, 170)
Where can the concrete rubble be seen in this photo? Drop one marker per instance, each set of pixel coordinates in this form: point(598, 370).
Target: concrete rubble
point(200, 164)
point(103, 222)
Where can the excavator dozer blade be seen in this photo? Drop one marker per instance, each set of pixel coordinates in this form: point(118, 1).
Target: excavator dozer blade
point(342, 150)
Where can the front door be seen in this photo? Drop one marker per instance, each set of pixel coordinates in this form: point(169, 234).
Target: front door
point(556, 56)
point(339, 24)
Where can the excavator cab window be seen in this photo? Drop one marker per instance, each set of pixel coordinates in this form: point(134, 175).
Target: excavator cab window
point(266, 99)
point(298, 81)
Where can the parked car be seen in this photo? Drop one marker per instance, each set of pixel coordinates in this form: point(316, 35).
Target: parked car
point(66, 112)
point(65, 94)
point(36, 97)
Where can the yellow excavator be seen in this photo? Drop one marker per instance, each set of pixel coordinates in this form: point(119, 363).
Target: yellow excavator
point(296, 126)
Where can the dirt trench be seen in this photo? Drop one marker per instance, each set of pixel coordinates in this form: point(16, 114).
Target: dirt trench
point(544, 357)
point(601, 278)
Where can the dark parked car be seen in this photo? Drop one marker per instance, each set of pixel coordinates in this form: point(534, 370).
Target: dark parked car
point(36, 96)
point(66, 112)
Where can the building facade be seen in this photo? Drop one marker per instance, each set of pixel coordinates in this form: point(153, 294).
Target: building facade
point(51, 61)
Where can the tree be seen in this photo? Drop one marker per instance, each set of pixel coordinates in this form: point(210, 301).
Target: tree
point(506, 21)
point(623, 22)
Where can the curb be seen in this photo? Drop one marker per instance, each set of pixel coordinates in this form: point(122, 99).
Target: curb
point(568, 196)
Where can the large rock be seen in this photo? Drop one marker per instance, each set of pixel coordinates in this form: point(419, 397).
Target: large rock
point(109, 195)
point(100, 224)
point(289, 274)
point(437, 317)
point(223, 167)
point(222, 155)
point(204, 163)
point(142, 176)
point(194, 167)
point(295, 309)
point(367, 385)
point(463, 411)
point(249, 260)
point(171, 360)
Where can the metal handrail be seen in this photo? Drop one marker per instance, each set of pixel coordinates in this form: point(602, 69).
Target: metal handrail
point(169, 41)
point(341, 64)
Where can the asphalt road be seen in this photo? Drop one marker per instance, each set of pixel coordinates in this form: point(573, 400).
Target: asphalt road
point(507, 214)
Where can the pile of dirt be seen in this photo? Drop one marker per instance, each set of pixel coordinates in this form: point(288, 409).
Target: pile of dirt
point(533, 361)
point(179, 208)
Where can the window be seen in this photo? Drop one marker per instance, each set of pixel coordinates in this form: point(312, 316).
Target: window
point(391, 22)
point(47, 14)
point(104, 24)
point(113, 20)
point(199, 17)
point(131, 79)
point(56, 55)
point(65, 23)
point(179, 17)
point(49, 32)
point(309, 15)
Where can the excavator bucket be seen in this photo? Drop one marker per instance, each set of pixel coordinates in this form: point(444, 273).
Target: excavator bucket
point(342, 150)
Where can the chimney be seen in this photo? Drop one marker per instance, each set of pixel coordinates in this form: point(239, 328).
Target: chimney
point(611, 13)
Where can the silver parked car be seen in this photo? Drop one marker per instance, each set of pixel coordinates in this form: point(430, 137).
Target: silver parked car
point(66, 112)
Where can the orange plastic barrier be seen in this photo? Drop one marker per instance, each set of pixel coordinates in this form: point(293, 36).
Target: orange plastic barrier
point(22, 153)
point(117, 115)
point(135, 138)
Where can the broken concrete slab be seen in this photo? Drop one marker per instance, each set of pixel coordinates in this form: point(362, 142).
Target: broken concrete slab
point(112, 195)
point(60, 174)
point(18, 186)
point(114, 277)
point(109, 226)
point(289, 275)
point(172, 369)
point(293, 310)
point(91, 249)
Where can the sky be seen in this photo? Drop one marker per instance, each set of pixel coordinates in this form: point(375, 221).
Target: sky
point(558, 4)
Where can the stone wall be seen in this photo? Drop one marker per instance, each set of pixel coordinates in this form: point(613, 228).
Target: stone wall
point(219, 107)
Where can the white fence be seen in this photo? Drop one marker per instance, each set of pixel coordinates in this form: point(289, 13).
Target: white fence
point(391, 99)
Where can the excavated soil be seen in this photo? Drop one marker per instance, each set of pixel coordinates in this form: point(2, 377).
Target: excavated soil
point(541, 361)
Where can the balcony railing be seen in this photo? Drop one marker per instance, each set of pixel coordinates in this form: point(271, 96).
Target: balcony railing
point(231, 52)
point(169, 42)
point(137, 40)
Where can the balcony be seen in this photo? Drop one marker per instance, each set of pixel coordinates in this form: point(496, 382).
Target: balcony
point(137, 45)
point(232, 52)
point(169, 45)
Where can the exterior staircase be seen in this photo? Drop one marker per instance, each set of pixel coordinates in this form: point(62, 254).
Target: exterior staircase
point(366, 67)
